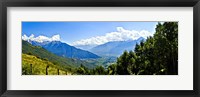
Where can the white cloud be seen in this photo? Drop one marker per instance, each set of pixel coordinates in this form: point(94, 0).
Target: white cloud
point(41, 38)
point(120, 35)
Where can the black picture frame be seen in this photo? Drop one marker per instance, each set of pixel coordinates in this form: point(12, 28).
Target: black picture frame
point(99, 3)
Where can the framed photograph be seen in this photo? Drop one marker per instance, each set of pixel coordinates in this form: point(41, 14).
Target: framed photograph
point(62, 48)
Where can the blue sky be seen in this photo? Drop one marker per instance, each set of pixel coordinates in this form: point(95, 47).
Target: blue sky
point(74, 31)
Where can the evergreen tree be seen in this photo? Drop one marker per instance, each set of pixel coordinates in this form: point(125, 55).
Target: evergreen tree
point(157, 55)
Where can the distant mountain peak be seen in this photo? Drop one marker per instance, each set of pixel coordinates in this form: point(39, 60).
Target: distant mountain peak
point(115, 48)
point(65, 50)
point(41, 38)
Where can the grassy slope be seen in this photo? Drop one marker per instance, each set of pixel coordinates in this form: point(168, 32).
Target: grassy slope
point(42, 53)
point(39, 66)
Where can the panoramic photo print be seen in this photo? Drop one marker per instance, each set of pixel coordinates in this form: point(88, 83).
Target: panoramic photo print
point(99, 48)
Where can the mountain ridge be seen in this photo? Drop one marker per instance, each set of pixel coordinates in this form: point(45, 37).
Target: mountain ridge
point(39, 51)
point(65, 50)
point(115, 48)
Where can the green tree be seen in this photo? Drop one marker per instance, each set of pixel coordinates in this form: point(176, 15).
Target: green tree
point(156, 55)
point(82, 70)
point(123, 64)
point(111, 70)
point(99, 70)
point(166, 46)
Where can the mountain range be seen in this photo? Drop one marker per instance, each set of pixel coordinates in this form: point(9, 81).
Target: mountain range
point(69, 56)
point(115, 48)
point(62, 49)
point(42, 53)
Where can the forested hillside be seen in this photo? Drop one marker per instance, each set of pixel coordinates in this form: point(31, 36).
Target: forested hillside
point(156, 55)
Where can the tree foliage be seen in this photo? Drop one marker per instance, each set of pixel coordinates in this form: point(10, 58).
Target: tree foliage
point(157, 55)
